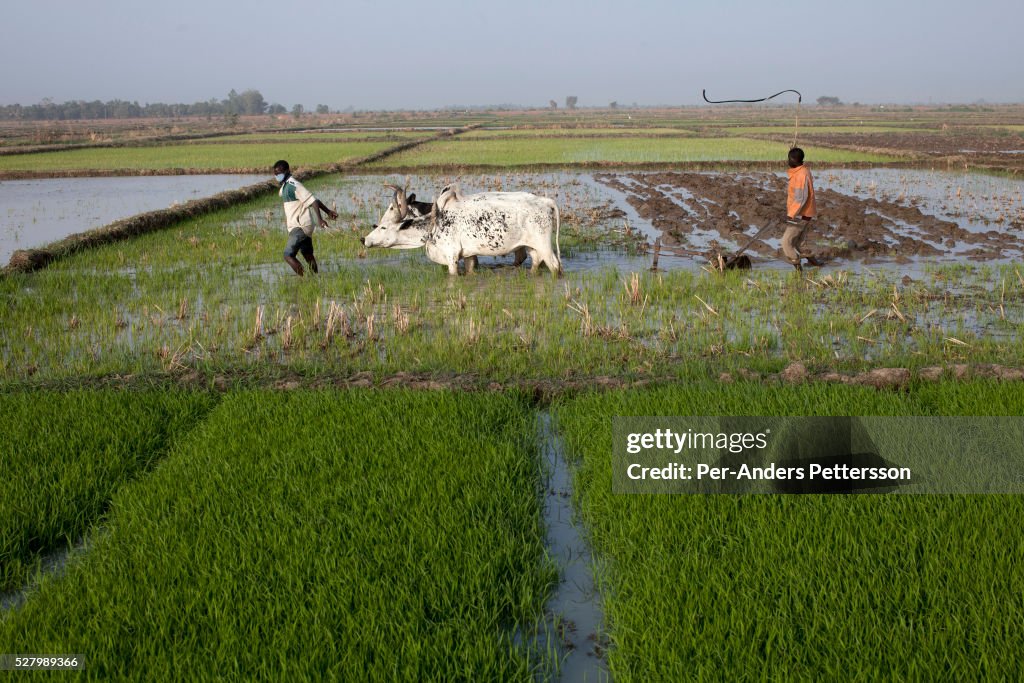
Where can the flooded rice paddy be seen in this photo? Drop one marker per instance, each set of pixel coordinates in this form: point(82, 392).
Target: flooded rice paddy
point(35, 212)
point(899, 217)
point(921, 275)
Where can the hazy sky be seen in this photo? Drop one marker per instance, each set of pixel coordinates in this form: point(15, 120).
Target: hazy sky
point(390, 55)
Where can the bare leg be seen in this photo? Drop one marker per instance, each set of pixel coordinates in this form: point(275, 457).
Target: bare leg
point(294, 263)
point(520, 256)
point(311, 260)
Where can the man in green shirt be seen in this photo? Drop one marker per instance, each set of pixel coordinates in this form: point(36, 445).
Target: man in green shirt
point(299, 204)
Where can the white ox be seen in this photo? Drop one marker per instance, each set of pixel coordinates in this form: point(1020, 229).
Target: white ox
point(401, 226)
point(485, 224)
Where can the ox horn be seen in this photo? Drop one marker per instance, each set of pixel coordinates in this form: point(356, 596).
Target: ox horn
point(403, 205)
point(433, 215)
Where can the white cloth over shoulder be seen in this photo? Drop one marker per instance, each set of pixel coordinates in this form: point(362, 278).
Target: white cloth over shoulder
point(297, 204)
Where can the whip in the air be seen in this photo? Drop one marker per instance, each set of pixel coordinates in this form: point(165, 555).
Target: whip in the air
point(799, 99)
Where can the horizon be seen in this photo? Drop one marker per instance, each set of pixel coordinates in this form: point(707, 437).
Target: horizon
point(513, 107)
point(360, 57)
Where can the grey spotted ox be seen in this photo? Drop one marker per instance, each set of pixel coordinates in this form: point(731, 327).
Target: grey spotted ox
point(467, 226)
point(406, 223)
point(398, 227)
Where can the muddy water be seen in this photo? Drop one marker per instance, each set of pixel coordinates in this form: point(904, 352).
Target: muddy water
point(575, 601)
point(898, 218)
point(35, 212)
point(881, 218)
point(974, 201)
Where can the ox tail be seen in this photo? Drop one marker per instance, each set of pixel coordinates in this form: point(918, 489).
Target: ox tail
point(558, 249)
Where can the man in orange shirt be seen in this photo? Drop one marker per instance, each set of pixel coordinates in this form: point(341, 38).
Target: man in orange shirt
point(800, 209)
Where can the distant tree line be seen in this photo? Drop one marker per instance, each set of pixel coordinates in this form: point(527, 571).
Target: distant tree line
point(247, 102)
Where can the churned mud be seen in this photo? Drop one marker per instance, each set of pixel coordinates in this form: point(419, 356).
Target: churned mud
point(936, 144)
point(709, 212)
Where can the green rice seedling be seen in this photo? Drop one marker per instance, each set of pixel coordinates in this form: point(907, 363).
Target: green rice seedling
point(316, 535)
point(705, 586)
point(519, 133)
point(569, 151)
point(64, 455)
point(253, 156)
point(979, 397)
point(390, 136)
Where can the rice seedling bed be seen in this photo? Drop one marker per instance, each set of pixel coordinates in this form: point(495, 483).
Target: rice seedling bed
point(63, 457)
point(815, 587)
point(518, 152)
point(207, 156)
point(316, 536)
point(336, 135)
point(570, 132)
point(427, 122)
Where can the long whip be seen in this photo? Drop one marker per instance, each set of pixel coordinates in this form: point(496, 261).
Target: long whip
point(799, 99)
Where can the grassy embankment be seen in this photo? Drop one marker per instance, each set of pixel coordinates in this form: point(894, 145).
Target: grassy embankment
point(313, 535)
point(811, 587)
